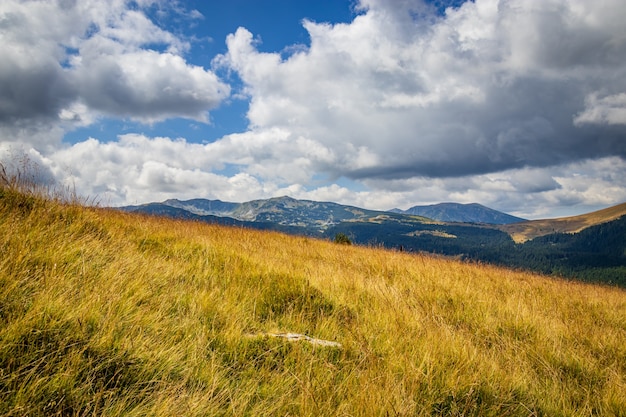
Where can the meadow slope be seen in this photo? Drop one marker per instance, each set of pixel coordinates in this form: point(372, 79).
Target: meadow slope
point(530, 229)
point(109, 313)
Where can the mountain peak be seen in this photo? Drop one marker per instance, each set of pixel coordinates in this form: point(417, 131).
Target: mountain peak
point(466, 213)
point(202, 206)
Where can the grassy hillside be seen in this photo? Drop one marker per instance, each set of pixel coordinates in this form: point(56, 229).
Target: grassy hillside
point(109, 313)
point(530, 229)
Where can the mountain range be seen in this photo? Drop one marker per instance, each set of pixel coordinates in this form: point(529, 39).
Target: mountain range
point(288, 211)
point(588, 247)
point(466, 213)
point(312, 216)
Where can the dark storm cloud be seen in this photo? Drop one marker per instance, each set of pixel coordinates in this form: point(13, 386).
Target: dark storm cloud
point(32, 82)
point(40, 92)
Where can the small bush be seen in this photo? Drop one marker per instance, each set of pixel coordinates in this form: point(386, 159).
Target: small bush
point(342, 239)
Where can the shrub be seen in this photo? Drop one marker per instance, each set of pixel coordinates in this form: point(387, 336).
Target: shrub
point(342, 239)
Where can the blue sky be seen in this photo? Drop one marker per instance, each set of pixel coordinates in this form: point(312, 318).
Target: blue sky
point(518, 105)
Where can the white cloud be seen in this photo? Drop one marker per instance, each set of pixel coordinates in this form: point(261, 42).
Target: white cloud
point(490, 86)
point(606, 110)
point(137, 169)
point(66, 63)
point(137, 165)
point(146, 85)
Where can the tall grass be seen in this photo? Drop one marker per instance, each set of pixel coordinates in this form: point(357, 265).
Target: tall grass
point(108, 313)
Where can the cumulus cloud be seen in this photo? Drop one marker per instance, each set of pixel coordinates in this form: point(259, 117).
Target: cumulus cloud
point(146, 85)
point(606, 110)
point(489, 86)
point(561, 190)
point(65, 63)
point(136, 169)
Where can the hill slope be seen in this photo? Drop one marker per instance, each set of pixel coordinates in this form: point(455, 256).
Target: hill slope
point(596, 253)
point(109, 313)
point(467, 213)
point(530, 229)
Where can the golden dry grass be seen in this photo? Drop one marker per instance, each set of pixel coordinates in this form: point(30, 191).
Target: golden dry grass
point(107, 313)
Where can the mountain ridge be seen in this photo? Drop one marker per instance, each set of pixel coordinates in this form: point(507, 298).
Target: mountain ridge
point(464, 213)
point(284, 211)
point(271, 208)
point(530, 229)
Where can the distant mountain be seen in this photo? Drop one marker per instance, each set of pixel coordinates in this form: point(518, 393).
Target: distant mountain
point(190, 213)
point(464, 213)
point(281, 211)
point(530, 229)
point(203, 207)
point(305, 213)
point(176, 212)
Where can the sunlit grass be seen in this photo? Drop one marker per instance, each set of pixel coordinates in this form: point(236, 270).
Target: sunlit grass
point(107, 313)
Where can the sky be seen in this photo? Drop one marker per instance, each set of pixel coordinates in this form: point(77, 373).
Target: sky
point(519, 105)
